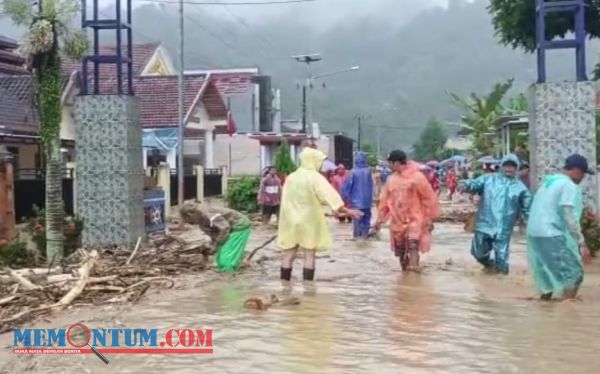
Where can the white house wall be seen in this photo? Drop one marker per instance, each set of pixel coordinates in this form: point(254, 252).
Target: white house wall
point(245, 154)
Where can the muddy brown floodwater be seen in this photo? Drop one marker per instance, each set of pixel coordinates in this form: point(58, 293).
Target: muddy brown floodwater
point(362, 316)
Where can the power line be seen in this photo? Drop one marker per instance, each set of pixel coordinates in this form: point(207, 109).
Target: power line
point(215, 36)
point(246, 25)
point(234, 3)
point(153, 40)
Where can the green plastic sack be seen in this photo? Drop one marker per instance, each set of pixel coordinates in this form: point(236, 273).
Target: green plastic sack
point(231, 253)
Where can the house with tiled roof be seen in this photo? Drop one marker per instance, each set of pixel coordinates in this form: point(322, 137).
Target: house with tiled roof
point(154, 83)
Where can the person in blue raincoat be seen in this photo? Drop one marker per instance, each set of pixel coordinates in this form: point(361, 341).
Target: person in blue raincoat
point(555, 243)
point(358, 189)
point(503, 199)
point(385, 173)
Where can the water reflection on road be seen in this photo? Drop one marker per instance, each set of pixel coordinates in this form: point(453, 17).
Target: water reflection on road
point(365, 316)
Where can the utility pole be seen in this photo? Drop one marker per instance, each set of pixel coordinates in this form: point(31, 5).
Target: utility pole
point(306, 59)
point(304, 108)
point(359, 131)
point(180, 171)
point(378, 143)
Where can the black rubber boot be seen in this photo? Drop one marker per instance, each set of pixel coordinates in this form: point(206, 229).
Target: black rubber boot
point(286, 274)
point(309, 274)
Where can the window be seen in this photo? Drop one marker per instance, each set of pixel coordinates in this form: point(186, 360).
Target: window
point(154, 157)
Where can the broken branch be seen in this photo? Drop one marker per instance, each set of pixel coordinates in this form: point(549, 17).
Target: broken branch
point(137, 246)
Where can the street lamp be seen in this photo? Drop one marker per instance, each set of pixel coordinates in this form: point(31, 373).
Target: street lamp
point(308, 59)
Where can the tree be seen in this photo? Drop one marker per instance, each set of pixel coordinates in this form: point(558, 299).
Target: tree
point(432, 142)
point(48, 32)
point(480, 114)
point(369, 150)
point(514, 22)
point(283, 160)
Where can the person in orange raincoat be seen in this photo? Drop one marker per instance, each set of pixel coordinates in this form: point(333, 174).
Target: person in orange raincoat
point(409, 202)
point(337, 182)
point(451, 183)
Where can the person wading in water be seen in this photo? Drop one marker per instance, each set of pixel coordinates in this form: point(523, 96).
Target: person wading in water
point(269, 194)
point(556, 247)
point(358, 190)
point(408, 200)
point(337, 181)
point(302, 224)
point(504, 198)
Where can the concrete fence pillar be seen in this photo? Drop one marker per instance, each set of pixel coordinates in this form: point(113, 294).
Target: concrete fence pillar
point(72, 166)
point(199, 169)
point(164, 182)
point(224, 180)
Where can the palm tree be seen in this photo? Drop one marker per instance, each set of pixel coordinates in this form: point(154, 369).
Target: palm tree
point(480, 114)
point(47, 32)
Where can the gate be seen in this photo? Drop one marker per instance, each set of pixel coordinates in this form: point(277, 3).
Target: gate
point(213, 181)
point(30, 192)
point(190, 185)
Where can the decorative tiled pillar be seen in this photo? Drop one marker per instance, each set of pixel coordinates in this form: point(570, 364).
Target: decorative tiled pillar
point(110, 174)
point(562, 122)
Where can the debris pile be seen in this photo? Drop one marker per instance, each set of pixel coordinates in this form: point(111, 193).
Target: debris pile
point(100, 276)
point(457, 213)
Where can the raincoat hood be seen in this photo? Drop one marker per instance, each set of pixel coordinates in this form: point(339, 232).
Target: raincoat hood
point(361, 160)
point(510, 158)
point(311, 159)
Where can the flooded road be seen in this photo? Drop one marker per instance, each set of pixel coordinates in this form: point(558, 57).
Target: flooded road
point(362, 316)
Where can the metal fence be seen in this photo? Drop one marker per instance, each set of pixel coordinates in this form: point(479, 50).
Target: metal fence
point(190, 185)
point(213, 182)
point(30, 192)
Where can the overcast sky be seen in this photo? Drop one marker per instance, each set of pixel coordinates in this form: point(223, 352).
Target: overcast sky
point(321, 12)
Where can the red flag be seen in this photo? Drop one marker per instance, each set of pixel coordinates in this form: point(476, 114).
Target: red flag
point(231, 126)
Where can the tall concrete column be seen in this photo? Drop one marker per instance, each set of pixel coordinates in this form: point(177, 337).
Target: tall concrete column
point(562, 121)
point(209, 149)
point(109, 169)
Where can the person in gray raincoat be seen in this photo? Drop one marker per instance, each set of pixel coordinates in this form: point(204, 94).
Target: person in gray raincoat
point(504, 198)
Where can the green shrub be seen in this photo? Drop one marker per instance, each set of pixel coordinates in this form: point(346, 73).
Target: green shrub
point(15, 255)
point(242, 194)
point(72, 227)
point(590, 227)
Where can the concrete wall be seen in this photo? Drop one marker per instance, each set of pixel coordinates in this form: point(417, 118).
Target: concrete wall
point(245, 154)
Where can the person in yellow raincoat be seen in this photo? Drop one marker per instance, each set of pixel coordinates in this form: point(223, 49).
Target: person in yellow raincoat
point(302, 222)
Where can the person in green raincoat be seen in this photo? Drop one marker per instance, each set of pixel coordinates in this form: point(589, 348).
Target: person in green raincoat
point(504, 198)
point(556, 247)
point(228, 229)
